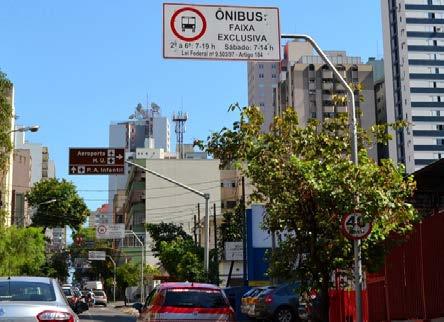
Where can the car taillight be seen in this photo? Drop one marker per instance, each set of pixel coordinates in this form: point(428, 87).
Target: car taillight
point(268, 299)
point(55, 316)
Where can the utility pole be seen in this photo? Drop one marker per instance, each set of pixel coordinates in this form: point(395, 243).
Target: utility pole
point(194, 230)
point(114, 278)
point(215, 243)
point(199, 236)
point(244, 233)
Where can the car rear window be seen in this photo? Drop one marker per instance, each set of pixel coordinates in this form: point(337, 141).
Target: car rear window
point(26, 291)
point(99, 293)
point(202, 298)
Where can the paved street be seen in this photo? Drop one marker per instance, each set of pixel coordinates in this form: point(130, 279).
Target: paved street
point(105, 314)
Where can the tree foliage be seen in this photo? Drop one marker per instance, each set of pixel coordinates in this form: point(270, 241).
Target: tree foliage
point(5, 122)
point(183, 260)
point(69, 209)
point(306, 180)
point(22, 251)
point(128, 274)
point(179, 256)
point(165, 232)
point(56, 266)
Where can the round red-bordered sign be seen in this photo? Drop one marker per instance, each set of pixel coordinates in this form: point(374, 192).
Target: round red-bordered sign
point(353, 227)
point(101, 229)
point(197, 12)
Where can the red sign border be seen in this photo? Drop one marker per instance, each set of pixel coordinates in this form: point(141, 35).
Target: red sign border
point(347, 234)
point(188, 39)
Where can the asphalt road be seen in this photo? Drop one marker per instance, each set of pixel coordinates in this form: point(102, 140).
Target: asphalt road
point(105, 314)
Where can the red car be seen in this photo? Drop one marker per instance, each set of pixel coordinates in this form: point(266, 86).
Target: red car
point(185, 302)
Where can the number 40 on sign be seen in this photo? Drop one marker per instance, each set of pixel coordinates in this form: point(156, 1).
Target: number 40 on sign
point(354, 227)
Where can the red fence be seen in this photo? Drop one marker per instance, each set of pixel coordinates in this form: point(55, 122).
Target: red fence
point(412, 283)
point(343, 304)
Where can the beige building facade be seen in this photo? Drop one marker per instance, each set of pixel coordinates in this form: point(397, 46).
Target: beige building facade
point(22, 169)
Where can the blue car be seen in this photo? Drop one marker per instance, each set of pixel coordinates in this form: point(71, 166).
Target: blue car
point(280, 303)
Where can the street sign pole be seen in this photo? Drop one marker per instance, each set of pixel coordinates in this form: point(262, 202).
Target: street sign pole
point(114, 279)
point(354, 157)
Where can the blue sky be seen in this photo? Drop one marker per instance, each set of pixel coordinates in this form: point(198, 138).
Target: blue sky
point(79, 65)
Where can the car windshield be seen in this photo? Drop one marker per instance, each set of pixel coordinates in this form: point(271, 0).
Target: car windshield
point(202, 298)
point(26, 291)
point(99, 293)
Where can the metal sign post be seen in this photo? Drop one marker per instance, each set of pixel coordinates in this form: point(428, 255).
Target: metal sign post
point(114, 278)
point(354, 157)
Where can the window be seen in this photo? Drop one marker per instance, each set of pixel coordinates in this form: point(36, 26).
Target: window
point(273, 75)
point(261, 75)
point(26, 291)
point(231, 204)
point(206, 298)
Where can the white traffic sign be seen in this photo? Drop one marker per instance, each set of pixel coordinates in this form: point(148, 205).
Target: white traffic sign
point(111, 231)
point(354, 227)
point(96, 255)
point(234, 251)
point(220, 32)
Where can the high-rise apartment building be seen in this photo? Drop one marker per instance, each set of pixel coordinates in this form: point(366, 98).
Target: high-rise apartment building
point(413, 32)
point(42, 166)
point(263, 77)
point(309, 85)
point(21, 185)
point(304, 81)
point(145, 128)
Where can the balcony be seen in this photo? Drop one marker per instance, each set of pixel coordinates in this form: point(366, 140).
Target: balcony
point(341, 109)
point(327, 74)
point(327, 86)
point(329, 109)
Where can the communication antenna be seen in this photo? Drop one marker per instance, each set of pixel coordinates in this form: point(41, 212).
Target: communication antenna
point(180, 118)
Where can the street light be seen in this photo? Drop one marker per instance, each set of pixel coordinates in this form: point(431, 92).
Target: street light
point(354, 157)
point(32, 128)
point(34, 208)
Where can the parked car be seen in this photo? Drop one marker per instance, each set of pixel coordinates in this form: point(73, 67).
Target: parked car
point(186, 302)
point(33, 299)
point(281, 303)
point(247, 305)
point(100, 297)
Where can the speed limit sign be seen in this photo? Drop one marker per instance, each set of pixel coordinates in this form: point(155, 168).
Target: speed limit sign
point(354, 227)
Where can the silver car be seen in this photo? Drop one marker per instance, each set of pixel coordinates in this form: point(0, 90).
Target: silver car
point(33, 299)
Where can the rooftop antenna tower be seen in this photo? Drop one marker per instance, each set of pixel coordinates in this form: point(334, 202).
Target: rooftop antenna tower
point(180, 118)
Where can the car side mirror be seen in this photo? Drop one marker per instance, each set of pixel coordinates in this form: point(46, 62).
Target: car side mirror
point(138, 307)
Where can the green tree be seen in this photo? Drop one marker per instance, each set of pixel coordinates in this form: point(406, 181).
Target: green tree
point(306, 180)
point(69, 209)
point(5, 137)
point(22, 251)
point(166, 232)
point(179, 256)
point(128, 274)
point(183, 260)
point(56, 265)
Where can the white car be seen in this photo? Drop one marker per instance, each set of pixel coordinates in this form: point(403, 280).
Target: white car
point(33, 299)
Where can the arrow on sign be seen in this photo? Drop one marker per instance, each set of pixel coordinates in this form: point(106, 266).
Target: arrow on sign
point(73, 169)
point(119, 156)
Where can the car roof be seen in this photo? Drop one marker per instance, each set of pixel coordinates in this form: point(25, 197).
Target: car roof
point(187, 285)
point(39, 279)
